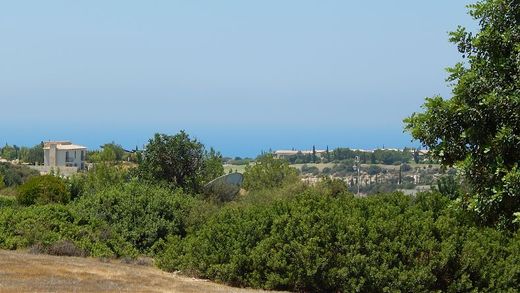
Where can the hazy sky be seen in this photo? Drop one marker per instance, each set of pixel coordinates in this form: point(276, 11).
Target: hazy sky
point(241, 76)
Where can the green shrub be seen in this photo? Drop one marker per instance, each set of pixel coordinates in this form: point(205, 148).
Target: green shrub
point(7, 201)
point(142, 214)
point(100, 177)
point(269, 172)
point(312, 242)
point(26, 226)
point(56, 229)
point(43, 190)
point(14, 175)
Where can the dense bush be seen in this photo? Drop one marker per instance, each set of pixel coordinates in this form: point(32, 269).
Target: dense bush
point(43, 190)
point(44, 227)
point(180, 162)
point(142, 214)
point(376, 244)
point(102, 175)
point(14, 175)
point(124, 219)
point(7, 201)
point(269, 172)
point(21, 227)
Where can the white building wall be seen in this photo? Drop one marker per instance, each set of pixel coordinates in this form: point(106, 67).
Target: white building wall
point(64, 157)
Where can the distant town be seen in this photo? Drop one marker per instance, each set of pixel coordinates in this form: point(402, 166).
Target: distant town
point(365, 171)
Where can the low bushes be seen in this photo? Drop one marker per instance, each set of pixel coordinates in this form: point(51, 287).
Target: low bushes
point(312, 242)
point(120, 221)
point(141, 214)
point(43, 190)
point(14, 175)
point(294, 237)
point(23, 227)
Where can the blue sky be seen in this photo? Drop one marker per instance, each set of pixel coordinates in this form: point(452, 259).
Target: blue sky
point(241, 76)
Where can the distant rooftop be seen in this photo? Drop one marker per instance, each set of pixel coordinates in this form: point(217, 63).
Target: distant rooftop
point(63, 145)
point(293, 152)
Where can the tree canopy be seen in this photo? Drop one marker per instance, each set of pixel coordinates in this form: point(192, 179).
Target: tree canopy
point(478, 129)
point(179, 161)
point(269, 172)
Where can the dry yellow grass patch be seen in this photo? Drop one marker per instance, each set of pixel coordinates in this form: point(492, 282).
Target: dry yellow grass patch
point(23, 272)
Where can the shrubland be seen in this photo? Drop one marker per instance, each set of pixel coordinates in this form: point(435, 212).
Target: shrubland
point(305, 240)
point(278, 233)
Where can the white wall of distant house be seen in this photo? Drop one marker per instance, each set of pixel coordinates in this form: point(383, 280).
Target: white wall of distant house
point(61, 155)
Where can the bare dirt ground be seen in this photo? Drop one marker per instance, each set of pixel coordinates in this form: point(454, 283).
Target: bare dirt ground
point(24, 272)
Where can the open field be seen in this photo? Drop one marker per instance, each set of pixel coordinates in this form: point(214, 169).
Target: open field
point(320, 166)
point(24, 272)
point(234, 168)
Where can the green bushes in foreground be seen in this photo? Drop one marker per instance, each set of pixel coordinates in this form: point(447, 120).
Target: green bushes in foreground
point(294, 237)
point(117, 221)
point(44, 226)
point(43, 190)
point(383, 243)
point(142, 214)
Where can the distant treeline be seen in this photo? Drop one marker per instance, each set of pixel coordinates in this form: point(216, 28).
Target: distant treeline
point(380, 156)
point(30, 155)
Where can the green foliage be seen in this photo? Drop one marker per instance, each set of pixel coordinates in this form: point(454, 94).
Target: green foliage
point(122, 220)
point(22, 227)
point(379, 156)
point(213, 165)
point(32, 155)
point(179, 161)
point(311, 242)
point(7, 201)
point(478, 129)
point(313, 170)
point(14, 175)
point(9, 152)
point(110, 152)
point(221, 192)
point(43, 190)
point(141, 214)
point(102, 175)
point(332, 187)
point(269, 172)
point(448, 186)
point(45, 227)
point(374, 169)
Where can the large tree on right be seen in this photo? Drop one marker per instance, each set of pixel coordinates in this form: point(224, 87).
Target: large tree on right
point(478, 129)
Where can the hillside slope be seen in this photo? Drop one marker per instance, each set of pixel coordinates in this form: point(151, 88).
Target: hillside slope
point(24, 272)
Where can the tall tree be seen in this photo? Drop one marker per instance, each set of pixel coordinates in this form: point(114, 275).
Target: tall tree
point(35, 154)
point(478, 129)
point(179, 161)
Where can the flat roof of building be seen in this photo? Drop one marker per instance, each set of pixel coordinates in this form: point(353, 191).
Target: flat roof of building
point(66, 147)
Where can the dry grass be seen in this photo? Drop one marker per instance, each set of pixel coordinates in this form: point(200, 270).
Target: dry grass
point(24, 272)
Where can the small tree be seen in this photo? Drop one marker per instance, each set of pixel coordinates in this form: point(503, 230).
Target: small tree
point(43, 190)
point(179, 161)
point(35, 154)
point(269, 172)
point(214, 165)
